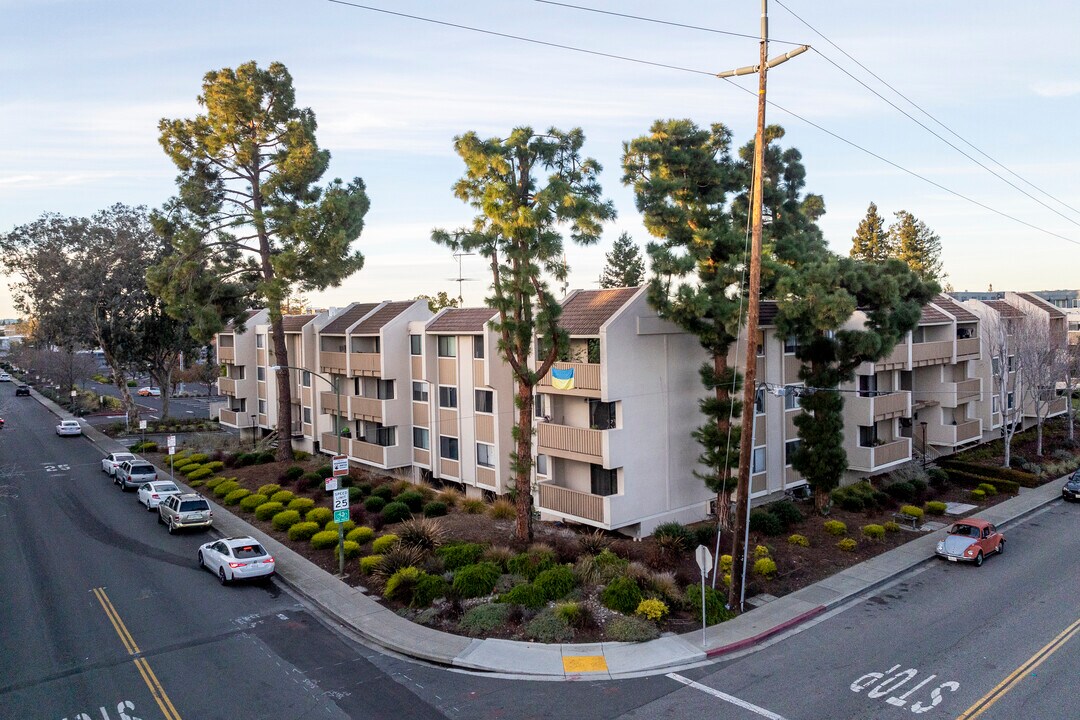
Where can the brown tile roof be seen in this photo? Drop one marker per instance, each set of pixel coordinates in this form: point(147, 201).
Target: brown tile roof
point(1004, 309)
point(389, 311)
point(231, 327)
point(586, 310)
point(467, 321)
point(955, 309)
point(1044, 304)
point(295, 323)
point(932, 316)
point(767, 311)
point(341, 323)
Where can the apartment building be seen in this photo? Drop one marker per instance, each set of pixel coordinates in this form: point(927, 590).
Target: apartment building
point(234, 348)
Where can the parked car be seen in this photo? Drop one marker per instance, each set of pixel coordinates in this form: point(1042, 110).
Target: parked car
point(241, 558)
point(150, 392)
point(4, 377)
point(184, 511)
point(1071, 490)
point(133, 473)
point(152, 494)
point(110, 462)
point(68, 428)
point(22, 390)
point(971, 540)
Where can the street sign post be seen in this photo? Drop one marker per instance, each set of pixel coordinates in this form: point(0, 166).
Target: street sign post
point(340, 465)
point(142, 424)
point(704, 561)
point(331, 484)
point(341, 515)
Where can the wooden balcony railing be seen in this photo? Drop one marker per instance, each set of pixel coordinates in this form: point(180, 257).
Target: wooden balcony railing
point(366, 408)
point(898, 357)
point(952, 435)
point(883, 406)
point(328, 442)
point(929, 353)
point(967, 347)
point(870, 459)
point(226, 355)
point(234, 418)
point(572, 502)
point(369, 364)
point(332, 362)
point(573, 443)
point(368, 452)
point(226, 386)
point(586, 378)
point(968, 390)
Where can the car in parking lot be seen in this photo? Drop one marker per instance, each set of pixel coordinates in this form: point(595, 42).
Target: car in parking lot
point(971, 540)
point(239, 558)
point(133, 473)
point(1071, 489)
point(110, 462)
point(69, 428)
point(22, 390)
point(149, 392)
point(185, 511)
point(152, 494)
point(4, 377)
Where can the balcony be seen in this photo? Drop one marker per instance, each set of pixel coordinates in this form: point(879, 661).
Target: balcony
point(227, 386)
point(958, 393)
point(895, 360)
point(328, 442)
point(881, 406)
point(234, 418)
point(368, 452)
point(332, 362)
point(931, 353)
point(364, 408)
point(952, 435)
point(572, 443)
point(367, 364)
point(573, 503)
point(967, 348)
point(1058, 406)
point(329, 402)
point(871, 459)
point(226, 355)
point(586, 380)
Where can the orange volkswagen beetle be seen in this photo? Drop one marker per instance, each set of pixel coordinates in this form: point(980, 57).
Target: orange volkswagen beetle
point(971, 540)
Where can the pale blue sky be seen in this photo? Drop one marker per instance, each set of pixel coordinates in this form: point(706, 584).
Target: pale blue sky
point(84, 84)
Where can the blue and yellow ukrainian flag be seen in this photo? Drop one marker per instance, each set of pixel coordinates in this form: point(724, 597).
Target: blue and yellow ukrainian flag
point(562, 379)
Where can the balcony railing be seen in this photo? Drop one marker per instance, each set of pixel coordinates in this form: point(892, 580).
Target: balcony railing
point(573, 443)
point(332, 362)
point(874, 458)
point(586, 378)
point(957, 393)
point(573, 503)
point(235, 418)
point(1057, 406)
point(366, 408)
point(329, 402)
point(226, 386)
point(880, 406)
point(328, 442)
point(368, 452)
point(967, 348)
point(898, 357)
point(369, 364)
point(929, 353)
point(951, 435)
point(226, 355)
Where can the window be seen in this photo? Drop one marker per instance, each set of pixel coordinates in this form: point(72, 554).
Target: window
point(791, 399)
point(867, 385)
point(421, 438)
point(448, 447)
point(485, 455)
point(791, 344)
point(538, 406)
point(260, 341)
point(601, 415)
point(1010, 401)
point(262, 407)
point(414, 345)
point(485, 400)
point(867, 435)
point(757, 464)
point(790, 448)
point(305, 378)
point(761, 343)
point(385, 390)
point(542, 465)
point(386, 436)
point(1011, 363)
point(447, 346)
point(995, 404)
point(260, 374)
point(447, 396)
point(759, 402)
point(419, 391)
point(478, 347)
point(307, 416)
point(603, 481)
point(995, 363)
point(236, 372)
point(593, 350)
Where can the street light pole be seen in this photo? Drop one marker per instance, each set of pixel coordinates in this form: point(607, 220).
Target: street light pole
point(923, 424)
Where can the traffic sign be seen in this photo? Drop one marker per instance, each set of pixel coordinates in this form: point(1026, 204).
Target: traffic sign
point(340, 465)
point(172, 441)
point(341, 516)
point(331, 484)
point(341, 500)
point(172, 449)
point(142, 424)
point(704, 559)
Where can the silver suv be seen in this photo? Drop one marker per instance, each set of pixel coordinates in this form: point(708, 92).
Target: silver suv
point(185, 511)
point(134, 474)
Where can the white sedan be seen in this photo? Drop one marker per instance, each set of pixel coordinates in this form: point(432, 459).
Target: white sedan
point(152, 493)
point(150, 392)
point(239, 558)
point(69, 427)
point(4, 377)
point(110, 462)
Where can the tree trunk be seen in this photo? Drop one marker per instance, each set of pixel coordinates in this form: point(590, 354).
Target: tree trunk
point(723, 423)
point(284, 399)
point(1038, 433)
point(523, 463)
point(131, 410)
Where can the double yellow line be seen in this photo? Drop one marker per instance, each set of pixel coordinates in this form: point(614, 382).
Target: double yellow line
point(148, 676)
point(983, 704)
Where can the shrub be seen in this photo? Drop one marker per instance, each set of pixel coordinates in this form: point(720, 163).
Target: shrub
point(915, 512)
point(301, 455)
point(292, 473)
point(835, 527)
point(301, 504)
point(324, 471)
point(397, 557)
point(525, 595)
point(282, 496)
point(765, 567)
point(422, 532)
point(935, 508)
point(352, 549)
point(360, 535)
point(483, 619)
point(987, 488)
point(786, 512)
point(673, 537)
point(799, 540)
point(873, 532)
point(198, 457)
point(652, 609)
point(547, 627)
point(303, 531)
point(355, 495)
point(847, 544)
point(849, 502)
point(978, 495)
point(268, 510)
point(374, 504)
point(252, 501)
point(324, 540)
point(891, 526)
point(369, 563)
point(268, 490)
point(200, 473)
point(428, 589)
point(574, 613)
point(264, 457)
point(919, 486)
point(901, 491)
point(476, 580)
point(938, 477)
point(285, 519)
point(555, 583)
point(435, 509)
point(531, 563)
point(320, 515)
point(500, 555)
point(632, 629)
point(761, 552)
point(346, 526)
point(382, 544)
point(309, 480)
point(715, 610)
point(413, 500)
point(473, 506)
point(245, 459)
point(224, 488)
point(383, 491)
point(236, 496)
point(450, 496)
point(402, 583)
point(395, 512)
point(147, 446)
point(765, 522)
point(458, 555)
point(502, 510)
point(622, 595)
point(364, 488)
point(186, 467)
point(1025, 479)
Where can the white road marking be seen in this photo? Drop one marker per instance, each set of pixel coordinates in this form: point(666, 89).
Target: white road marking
point(725, 697)
point(190, 412)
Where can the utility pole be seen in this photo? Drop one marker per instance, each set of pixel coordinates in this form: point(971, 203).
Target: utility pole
point(738, 554)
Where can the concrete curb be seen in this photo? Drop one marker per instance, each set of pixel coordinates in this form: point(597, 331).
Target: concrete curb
point(761, 637)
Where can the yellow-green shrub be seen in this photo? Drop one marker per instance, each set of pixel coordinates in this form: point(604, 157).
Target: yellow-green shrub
point(200, 473)
point(765, 567)
point(873, 532)
point(935, 507)
point(303, 531)
point(369, 563)
point(268, 510)
point(253, 501)
point(835, 527)
point(761, 552)
point(725, 563)
point(324, 540)
point(361, 535)
point(978, 494)
point(282, 496)
point(384, 543)
point(915, 512)
point(847, 544)
point(321, 515)
point(799, 540)
point(268, 490)
point(891, 526)
point(652, 609)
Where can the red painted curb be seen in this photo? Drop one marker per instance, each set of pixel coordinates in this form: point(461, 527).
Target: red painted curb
point(724, 649)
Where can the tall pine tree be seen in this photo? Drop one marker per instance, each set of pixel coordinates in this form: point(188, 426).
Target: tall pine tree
point(871, 242)
point(625, 266)
point(916, 245)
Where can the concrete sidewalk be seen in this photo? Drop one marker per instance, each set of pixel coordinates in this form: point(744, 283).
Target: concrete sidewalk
point(381, 626)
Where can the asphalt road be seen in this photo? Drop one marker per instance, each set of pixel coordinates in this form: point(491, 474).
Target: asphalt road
point(192, 407)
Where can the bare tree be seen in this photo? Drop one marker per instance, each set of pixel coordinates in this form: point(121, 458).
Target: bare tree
point(1070, 366)
point(996, 334)
point(1041, 362)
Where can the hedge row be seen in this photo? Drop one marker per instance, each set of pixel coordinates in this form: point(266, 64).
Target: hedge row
point(973, 480)
point(1017, 477)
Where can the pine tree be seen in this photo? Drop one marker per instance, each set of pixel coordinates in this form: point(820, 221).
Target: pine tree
point(625, 266)
point(871, 242)
point(916, 245)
